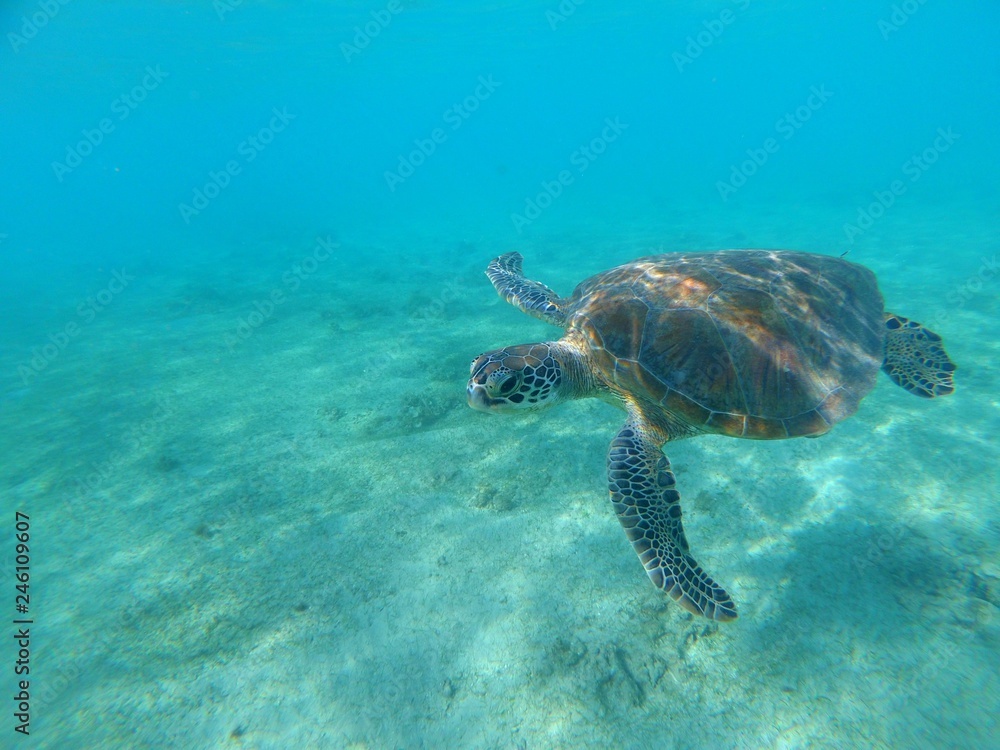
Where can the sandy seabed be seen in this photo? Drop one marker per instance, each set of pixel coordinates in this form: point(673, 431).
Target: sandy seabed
point(296, 534)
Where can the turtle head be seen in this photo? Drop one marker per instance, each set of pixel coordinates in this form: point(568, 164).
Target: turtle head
point(518, 378)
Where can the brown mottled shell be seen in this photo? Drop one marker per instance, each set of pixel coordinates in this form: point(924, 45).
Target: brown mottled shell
point(747, 343)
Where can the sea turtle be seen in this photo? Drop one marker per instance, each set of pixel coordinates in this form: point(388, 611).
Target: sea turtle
point(747, 343)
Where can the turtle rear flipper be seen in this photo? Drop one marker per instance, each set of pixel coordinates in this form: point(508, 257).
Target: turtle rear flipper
point(531, 297)
point(915, 358)
point(648, 507)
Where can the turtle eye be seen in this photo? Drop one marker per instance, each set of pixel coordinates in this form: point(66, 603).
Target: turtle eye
point(507, 386)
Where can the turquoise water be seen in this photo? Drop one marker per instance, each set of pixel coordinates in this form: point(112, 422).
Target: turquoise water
point(243, 248)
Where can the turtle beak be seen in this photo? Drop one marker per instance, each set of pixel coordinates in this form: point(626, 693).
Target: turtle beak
point(478, 399)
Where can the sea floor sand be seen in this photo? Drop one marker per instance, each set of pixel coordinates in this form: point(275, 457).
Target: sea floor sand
point(302, 537)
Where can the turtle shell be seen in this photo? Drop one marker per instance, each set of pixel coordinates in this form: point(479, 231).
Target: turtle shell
point(748, 343)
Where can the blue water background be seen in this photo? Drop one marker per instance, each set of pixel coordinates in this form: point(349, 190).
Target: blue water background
point(353, 120)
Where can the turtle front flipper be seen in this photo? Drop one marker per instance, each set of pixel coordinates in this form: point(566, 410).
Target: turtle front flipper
point(915, 358)
point(531, 297)
point(649, 509)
